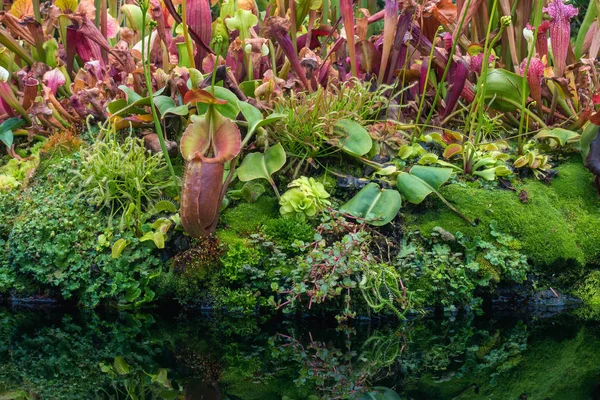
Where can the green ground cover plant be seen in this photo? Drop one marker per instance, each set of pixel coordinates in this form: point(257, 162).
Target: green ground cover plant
point(298, 156)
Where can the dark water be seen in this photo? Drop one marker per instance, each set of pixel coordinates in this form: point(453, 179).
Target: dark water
point(65, 354)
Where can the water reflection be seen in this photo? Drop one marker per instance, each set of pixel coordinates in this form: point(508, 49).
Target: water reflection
point(64, 354)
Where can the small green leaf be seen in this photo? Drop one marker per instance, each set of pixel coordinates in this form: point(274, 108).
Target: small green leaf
point(118, 247)
point(121, 366)
point(375, 205)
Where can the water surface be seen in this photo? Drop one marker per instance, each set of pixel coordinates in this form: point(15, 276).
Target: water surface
point(53, 353)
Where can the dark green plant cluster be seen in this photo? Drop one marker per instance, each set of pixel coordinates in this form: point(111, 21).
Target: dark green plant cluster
point(448, 270)
point(57, 240)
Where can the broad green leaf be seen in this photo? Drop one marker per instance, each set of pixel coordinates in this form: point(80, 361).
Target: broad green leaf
point(587, 137)
point(503, 90)
point(118, 247)
point(163, 103)
point(487, 174)
point(421, 181)
point(355, 140)
point(181, 110)
point(133, 14)
point(375, 205)
point(6, 128)
point(262, 166)
point(121, 366)
point(560, 135)
point(7, 138)
point(229, 109)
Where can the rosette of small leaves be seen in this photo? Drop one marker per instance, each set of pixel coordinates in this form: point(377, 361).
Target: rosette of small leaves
point(305, 198)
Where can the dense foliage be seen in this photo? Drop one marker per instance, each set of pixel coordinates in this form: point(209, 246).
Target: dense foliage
point(381, 159)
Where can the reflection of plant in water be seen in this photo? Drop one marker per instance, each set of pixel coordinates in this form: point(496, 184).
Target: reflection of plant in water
point(134, 383)
point(340, 372)
point(60, 359)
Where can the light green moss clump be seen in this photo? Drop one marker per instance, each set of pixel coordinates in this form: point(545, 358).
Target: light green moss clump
point(557, 225)
point(243, 219)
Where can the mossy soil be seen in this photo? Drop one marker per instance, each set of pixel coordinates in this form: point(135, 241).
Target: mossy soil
point(556, 223)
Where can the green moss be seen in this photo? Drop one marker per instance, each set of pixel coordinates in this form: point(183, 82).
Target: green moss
point(552, 368)
point(589, 290)
point(244, 219)
point(557, 226)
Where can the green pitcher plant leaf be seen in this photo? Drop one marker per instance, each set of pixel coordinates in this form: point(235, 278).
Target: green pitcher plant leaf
point(207, 144)
point(375, 205)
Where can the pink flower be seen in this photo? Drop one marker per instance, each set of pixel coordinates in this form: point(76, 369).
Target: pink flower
point(560, 32)
point(477, 62)
point(54, 79)
point(535, 73)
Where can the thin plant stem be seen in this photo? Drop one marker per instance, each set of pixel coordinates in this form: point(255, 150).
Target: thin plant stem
point(422, 102)
point(450, 57)
point(186, 34)
point(157, 125)
point(530, 52)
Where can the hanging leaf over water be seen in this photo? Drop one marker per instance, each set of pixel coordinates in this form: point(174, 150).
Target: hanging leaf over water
point(421, 181)
point(375, 205)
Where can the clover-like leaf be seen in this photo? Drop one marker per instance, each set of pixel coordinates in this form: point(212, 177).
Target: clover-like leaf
point(421, 181)
point(262, 166)
point(375, 205)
